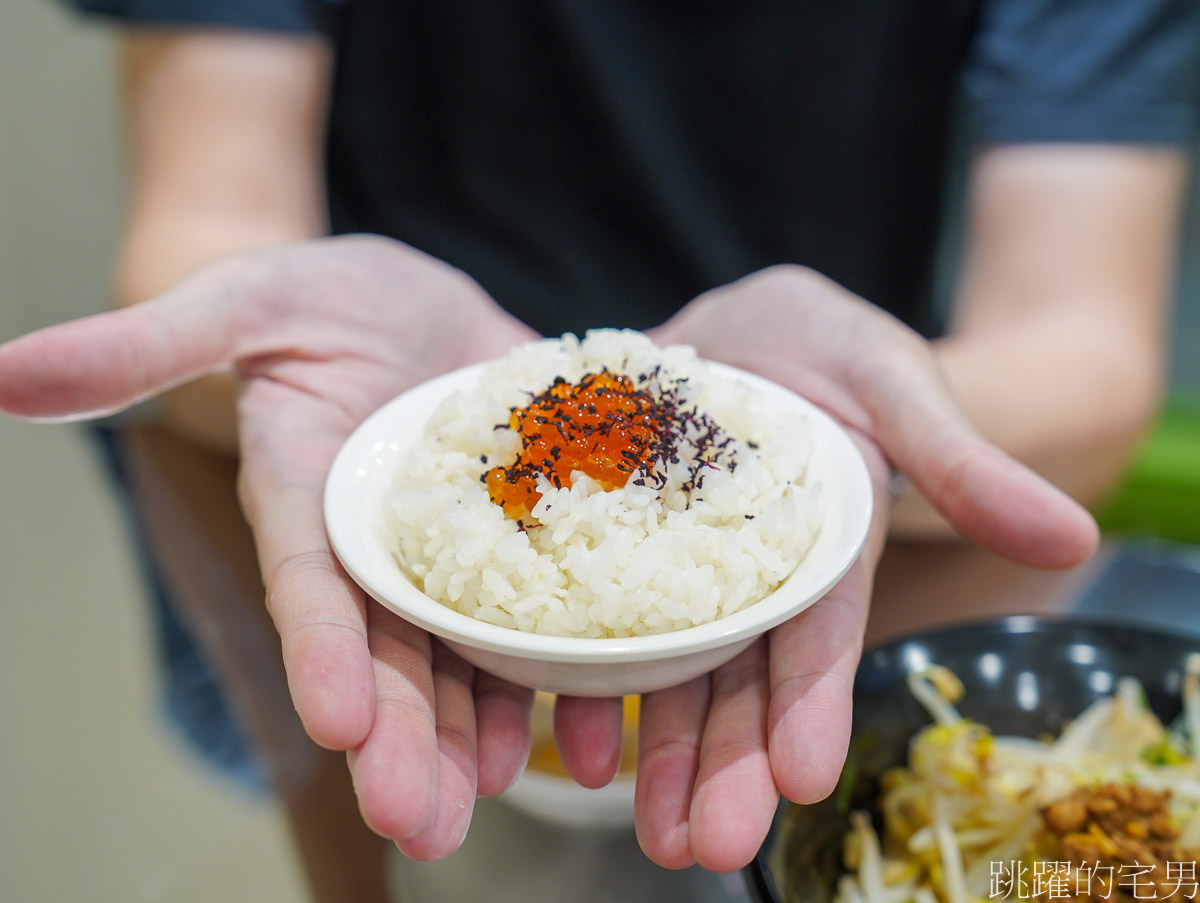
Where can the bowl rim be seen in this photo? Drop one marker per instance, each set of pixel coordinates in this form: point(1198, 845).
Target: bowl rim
point(358, 469)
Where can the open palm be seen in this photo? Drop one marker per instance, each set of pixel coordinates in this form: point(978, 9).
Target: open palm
point(320, 335)
point(717, 752)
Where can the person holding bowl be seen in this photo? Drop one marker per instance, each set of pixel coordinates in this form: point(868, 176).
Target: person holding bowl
point(531, 170)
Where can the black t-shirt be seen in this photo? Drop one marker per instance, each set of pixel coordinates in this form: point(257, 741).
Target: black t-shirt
point(600, 162)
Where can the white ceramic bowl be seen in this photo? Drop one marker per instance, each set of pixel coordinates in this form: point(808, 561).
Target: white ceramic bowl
point(357, 491)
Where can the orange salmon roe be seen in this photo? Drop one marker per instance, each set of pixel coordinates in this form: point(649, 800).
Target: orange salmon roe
point(603, 425)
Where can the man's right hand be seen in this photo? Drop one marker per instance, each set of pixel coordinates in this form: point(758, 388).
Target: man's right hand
point(320, 335)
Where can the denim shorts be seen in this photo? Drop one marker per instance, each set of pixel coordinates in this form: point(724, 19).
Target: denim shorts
point(193, 701)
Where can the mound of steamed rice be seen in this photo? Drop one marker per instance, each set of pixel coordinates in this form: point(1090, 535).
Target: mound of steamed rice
point(595, 563)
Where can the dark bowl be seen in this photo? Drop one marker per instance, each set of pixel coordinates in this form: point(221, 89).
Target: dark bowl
point(1023, 676)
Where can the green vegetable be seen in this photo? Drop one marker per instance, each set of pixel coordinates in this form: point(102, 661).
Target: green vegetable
point(843, 793)
point(1166, 752)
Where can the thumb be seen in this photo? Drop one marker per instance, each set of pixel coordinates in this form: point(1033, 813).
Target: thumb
point(986, 495)
point(104, 363)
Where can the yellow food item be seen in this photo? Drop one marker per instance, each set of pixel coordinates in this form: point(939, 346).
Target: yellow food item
point(972, 816)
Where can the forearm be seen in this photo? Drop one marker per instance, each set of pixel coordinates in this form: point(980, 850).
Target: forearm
point(224, 136)
point(1069, 397)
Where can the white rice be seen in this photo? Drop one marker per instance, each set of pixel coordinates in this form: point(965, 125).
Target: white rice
point(595, 563)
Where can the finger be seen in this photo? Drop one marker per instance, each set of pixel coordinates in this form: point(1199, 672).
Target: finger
point(502, 727)
point(813, 661)
point(993, 500)
point(735, 796)
point(107, 362)
point(318, 610)
point(395, 770)
point(988, 496)
point(670, 728)
point(457, 757)
point(588, 734)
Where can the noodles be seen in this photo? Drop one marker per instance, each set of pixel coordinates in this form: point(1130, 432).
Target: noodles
point(1191, 702)
point(1116, 789)
point(936, 688)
